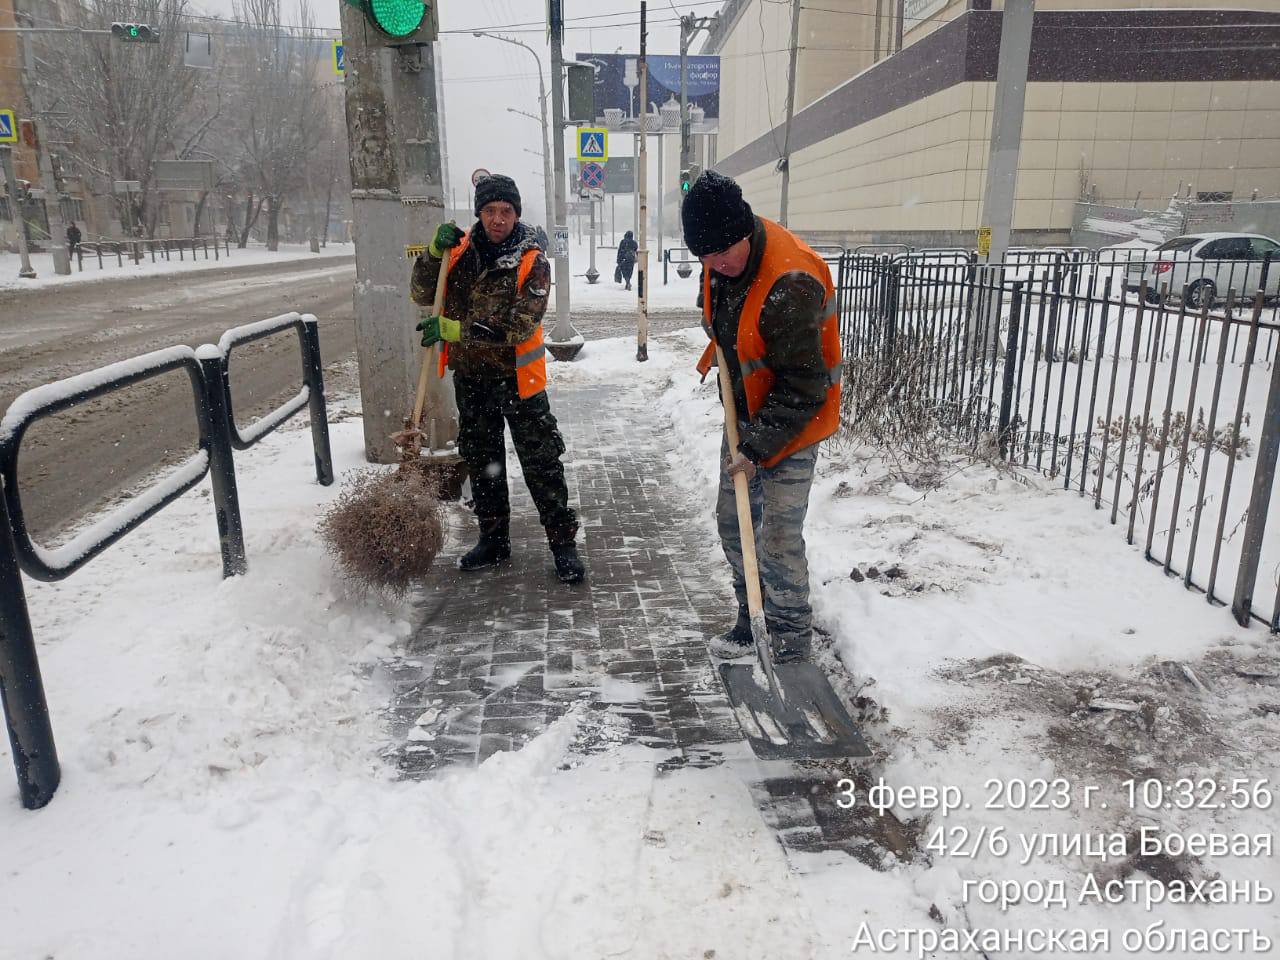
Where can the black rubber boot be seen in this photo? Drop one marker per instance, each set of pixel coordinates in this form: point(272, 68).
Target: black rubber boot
point(569, 566)
point(737, 642)
point(494, 546)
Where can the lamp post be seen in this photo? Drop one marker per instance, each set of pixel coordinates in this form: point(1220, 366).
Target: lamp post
point(546, 160)
point(563, 330)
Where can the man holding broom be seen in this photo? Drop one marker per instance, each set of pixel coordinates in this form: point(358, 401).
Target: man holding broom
point(491, 331)
point(768, 301)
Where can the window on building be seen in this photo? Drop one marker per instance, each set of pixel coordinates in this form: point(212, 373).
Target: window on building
point(4, 209)
point(72, 209)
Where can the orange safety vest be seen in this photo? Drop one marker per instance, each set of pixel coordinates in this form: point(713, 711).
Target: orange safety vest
point(784, 253)
point(531, 355)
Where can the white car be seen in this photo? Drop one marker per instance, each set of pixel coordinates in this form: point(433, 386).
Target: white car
point(1208, 265)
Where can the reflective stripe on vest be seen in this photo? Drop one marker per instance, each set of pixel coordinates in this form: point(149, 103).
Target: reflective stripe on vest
point(531, 355)
point(783, 253)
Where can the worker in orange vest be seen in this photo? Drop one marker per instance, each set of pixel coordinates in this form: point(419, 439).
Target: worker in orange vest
point(498, 283)
point(768, 301)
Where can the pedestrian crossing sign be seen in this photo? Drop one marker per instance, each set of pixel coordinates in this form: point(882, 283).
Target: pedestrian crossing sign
point(8, 127)
point(339, 57)
point(593, 144)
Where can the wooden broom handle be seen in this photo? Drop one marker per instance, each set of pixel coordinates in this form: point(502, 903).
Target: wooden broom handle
point(430, 354)
point(750, 567)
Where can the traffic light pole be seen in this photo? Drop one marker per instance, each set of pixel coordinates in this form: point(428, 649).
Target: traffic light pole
point(563, 332)
point(642, 215)
point(397, 200)
point(689, 27)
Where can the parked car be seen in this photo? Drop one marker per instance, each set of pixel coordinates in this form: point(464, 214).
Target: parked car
point(1208, 265)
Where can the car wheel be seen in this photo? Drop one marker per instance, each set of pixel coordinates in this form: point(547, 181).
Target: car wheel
point(1153, 296)
point(1201, 294)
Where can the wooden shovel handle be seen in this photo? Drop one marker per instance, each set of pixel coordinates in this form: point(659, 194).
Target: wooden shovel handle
point(750, 566)
point(430, 354)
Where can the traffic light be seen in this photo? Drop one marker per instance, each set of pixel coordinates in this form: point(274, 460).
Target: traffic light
point(688, 178)
point(402, 21)
point(135, 32)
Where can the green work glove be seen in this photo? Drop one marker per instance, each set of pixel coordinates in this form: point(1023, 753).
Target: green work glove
point(435, 329)
point(447, 235)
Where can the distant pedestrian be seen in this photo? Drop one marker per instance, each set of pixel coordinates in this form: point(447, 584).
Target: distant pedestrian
point(768, 301)
point(498, 284)
point(627, 251)
point(73, 238)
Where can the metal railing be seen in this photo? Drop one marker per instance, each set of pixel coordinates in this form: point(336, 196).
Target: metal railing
point(1144, 400)
point(137, 250)
point(208, 373)
point(685, 262)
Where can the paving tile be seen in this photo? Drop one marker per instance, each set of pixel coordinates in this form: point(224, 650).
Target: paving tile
point(503, 653)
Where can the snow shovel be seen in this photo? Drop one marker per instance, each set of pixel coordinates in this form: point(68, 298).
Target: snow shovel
point(787, 710)
point(443, 467)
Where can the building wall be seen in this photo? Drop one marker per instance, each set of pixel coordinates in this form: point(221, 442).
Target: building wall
point(900, 151)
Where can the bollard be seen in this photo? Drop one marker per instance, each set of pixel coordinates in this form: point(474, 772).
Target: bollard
point(313, 377)
point(26, 712)
point(222, 467)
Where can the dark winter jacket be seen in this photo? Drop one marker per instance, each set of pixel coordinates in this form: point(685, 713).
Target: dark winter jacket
point(791, 325)
point(482, 296)
point(627, 250)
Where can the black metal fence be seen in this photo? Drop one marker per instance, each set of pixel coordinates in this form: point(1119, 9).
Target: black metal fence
point(1158, 403)
point(208, 373)
point(136, 250)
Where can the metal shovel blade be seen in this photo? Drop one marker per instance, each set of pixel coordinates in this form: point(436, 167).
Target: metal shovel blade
point(806, 721)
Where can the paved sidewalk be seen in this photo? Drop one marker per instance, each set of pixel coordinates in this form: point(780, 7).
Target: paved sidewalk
point(503, 653)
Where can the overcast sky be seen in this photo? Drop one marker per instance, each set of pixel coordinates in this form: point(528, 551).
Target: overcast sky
point(483, 77)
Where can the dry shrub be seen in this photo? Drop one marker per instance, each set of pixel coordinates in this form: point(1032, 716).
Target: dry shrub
point(385, 529)
point(889, 402)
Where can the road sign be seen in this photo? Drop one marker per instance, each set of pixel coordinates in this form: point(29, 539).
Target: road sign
point(8, 127)
point(339, 57)
point(592, 175)
point(478, 174)
point(593, 143)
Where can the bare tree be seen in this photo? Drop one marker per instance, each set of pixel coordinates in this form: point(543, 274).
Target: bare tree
point(123, 106)
point(280, 118)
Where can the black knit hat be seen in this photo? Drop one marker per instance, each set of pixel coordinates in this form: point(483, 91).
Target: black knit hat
point(714, 215)
point(497, 187)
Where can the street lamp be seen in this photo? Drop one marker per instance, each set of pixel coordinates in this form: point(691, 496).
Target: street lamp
point(563, 335)
point(547, 180)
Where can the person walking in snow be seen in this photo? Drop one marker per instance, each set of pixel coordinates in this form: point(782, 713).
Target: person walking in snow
point(768, 301)
point(628, 249)
point(498, 283)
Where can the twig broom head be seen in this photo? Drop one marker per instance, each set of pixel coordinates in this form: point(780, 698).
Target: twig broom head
point(385, 528)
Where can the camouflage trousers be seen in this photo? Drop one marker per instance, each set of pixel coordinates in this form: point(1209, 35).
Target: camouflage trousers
point(779, 502)
point(484, 406)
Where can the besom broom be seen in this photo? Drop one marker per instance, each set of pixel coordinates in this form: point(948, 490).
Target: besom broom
point(385, 529)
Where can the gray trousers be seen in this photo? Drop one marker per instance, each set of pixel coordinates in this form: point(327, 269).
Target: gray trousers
point(779, 502)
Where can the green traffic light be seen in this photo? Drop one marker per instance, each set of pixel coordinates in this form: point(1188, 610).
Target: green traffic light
point(133, 30)
point(397, 18)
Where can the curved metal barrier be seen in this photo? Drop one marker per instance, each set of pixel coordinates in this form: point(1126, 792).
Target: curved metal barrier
point(208, 371)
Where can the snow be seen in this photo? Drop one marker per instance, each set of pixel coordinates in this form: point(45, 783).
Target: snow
point(42, 263)
point(223, 794)
point(606, 295)
point(84, 544)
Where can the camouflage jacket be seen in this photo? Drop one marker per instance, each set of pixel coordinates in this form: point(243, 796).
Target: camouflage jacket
point(495, 316)
point(791, 325)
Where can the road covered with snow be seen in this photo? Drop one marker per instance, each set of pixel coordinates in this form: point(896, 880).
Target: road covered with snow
point(225, 790)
